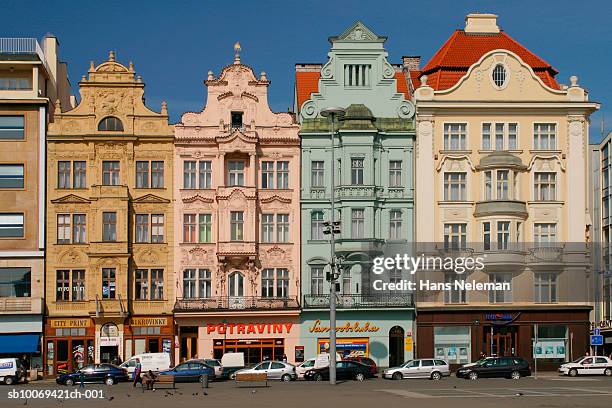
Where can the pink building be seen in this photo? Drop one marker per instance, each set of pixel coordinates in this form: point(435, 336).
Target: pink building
point(237, 212)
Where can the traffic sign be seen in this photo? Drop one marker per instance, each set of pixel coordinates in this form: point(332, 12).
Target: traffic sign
point(596, 332)
point(596, 340)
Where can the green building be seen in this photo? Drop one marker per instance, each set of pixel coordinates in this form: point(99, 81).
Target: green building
point(374, 196)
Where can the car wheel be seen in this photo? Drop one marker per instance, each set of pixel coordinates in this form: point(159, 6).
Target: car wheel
point(608, 372)
point(573, 372)
point(397, 376)
point(318, 377)
point(70, 382)
point(286, 378)
point(109, 381)
point(436, 375)
point(515, 375)
point(473, 375)
point(359, 377)
point(9, 380)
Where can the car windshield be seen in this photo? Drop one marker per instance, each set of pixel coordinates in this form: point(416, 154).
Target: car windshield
point(577, 360)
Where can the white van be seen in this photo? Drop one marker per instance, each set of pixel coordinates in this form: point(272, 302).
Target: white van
point(11, 371)
point(149, 361)
point(232, 362)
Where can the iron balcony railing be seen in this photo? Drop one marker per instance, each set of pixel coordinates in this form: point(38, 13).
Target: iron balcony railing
point(24, 46)
point(361, 301)
point(235, 303)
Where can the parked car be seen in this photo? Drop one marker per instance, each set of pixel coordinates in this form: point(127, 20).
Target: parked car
point(345, 370)
point(276, 370)
point(155, 362)
point(232, 362)
point(191, 371)
point(301, 368)
point(11, 371)
point(108, 374)
point(216, 365)
point(506, 367)
point(420, 368)
point(587, 365)
point(367, 361)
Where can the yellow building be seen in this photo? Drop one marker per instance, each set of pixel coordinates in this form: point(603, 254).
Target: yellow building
point(109, 283)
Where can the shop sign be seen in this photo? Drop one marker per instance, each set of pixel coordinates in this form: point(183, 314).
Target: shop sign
point(499, 316)
point(603, 324)
point(357, 327)
point(408, 344)
point(148, 321)
point(109, 341)
point(249, 328)
point(347, 347)
point(70, 323)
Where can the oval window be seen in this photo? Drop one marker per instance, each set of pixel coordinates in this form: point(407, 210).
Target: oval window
point(499, 75)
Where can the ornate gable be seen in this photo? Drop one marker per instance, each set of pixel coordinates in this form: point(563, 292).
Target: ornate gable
point(237, 141)
point(151, 199)
point(359, 32)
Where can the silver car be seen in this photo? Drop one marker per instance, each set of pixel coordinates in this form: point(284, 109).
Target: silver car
point(276, 370)
point(419, 368)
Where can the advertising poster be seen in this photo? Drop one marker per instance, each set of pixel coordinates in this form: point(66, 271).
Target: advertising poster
point(347, 347)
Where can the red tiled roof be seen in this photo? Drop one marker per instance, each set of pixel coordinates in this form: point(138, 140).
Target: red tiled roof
point(307, 82)
point(462, 50)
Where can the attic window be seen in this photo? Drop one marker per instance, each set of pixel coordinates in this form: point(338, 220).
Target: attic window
point(499, 76)
point(236, 120)
point(357, 75)
point(110, 124)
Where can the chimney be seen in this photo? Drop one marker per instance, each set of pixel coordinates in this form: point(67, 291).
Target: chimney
point(476, 23)
point(412, 62)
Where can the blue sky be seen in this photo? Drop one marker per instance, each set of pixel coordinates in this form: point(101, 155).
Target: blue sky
point(175, 43)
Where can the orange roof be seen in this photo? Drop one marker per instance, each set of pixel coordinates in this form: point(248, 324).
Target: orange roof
point(462, 50)
point(307, 82)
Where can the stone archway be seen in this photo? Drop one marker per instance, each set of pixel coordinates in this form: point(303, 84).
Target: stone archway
point(396, 346)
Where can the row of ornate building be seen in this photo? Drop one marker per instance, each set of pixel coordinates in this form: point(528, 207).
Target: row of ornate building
point(122, 234)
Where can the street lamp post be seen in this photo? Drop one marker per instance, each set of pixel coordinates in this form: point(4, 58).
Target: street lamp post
point(334, 113)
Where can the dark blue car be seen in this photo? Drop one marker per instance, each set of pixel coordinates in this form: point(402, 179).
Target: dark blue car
point(191, 371)
point(95, 373)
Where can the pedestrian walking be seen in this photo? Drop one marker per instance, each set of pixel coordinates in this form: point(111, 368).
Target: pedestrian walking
point(137, 372)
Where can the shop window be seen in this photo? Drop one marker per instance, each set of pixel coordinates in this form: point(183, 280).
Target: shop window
point(551, 344)
point(453, 344)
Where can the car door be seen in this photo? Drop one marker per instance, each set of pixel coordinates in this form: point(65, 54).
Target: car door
point(426, 368)
point(88, 374)
point(181, 372)
point(262, 367)
point(586, 366)
point(487, 369)
point(411, 369)
point(600, 365)
point(276, 370)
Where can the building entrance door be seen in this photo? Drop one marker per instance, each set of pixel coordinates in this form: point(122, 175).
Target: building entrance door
point(501, 341)
point(396, 346)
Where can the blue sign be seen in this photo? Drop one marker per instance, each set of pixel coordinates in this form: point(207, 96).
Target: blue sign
point(596, 340)
point(596, 332)
point(499, 316)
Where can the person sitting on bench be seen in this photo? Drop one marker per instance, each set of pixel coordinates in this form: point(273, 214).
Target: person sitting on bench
point(149, 379)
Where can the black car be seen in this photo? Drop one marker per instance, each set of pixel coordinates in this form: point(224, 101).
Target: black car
point(506, 367)
point(95, 373)
point(345, 370)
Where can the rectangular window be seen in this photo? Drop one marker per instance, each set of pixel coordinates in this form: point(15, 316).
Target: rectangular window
point(317, 174)
point(15, 83)
point(11, 225)
point(503, 185)
point(63, 174)
point(503, 234)
point(316, 280)
point(545, 186)
point(544, 136)
point(236, 118)
point(157, 228)
point(395, 173)
point(109, 284)
point(189, 174)
point(488, 187)
point(157, 174)
point(237, 225)
point(357, 75)
point(512, 136)
point(316, 226)
point(109, 226)
point(267, 283)
point(79, 174)
point(205, 233)
point(486, 136)
point(236, 173)
point(79, 228)
point(142, 228)
point(189, 284)
point(357, 172)
point(357, 223)
point(455, 135)
point(453, 343)
point(545, 233)
point(267, 227)
point(455, 236)
point(12, 127)
point(157, 284)
point(282, 228)
point(110, 173)
point(545, 286)
point(455, 295)
point(395, 224)
point(63, 228)
point(486, 235)
point(189, 228)
point(282, 282)
point(62, 286)
point(11, 176)
point(205, 174)
point(78, 285)
point(142, 174)
point(282, 174)
point(267, 174)
point(499, 136)
point(455, 186)
point(204, 283)
point(15, 282)
point(500, 296)
point(141, 284)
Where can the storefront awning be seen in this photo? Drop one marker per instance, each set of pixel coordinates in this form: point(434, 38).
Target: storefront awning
point(19, 343)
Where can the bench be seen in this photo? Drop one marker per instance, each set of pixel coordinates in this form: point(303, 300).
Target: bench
point(251, 377)
point(160, 379)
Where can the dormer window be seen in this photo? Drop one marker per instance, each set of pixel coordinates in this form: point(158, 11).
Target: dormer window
point(357, 75)
point(236, 120)
point(110, 124)
point(499, 75)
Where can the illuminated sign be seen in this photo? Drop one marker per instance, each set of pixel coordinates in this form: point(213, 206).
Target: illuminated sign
point(249, 328)
point(348, 327)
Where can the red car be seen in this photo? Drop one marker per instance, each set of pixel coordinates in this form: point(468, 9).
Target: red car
point(367, 361)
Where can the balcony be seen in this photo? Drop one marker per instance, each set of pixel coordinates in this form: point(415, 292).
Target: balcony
point(21, 46)
point(111, 307)
point(546, 257)
point(509, 259)
point(237, 249)
point(21, 305)
point(501, 207)
point(357, 192)
point(234, 303)
point(361, 301)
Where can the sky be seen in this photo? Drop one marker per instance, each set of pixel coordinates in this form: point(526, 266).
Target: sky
point(173, 44)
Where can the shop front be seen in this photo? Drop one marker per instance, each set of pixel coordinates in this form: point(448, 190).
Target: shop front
point(20, 337)
point(551, 336)
point(148, 334)
point(69, 344)
point(259, 337)
point(386, 336)
point(605, 330)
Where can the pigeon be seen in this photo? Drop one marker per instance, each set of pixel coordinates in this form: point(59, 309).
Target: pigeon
point(111, 398)
point(518, 394)
point(204, 393)
point(25, 402)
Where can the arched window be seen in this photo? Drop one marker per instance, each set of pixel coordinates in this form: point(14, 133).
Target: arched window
point(236, 284)
point(499, 75)
point(110, 124)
